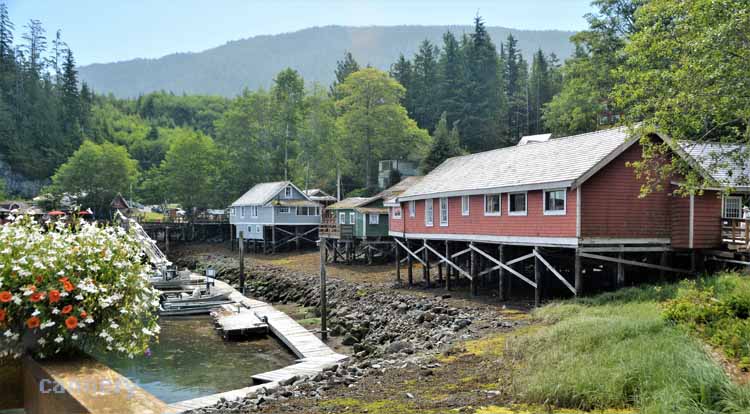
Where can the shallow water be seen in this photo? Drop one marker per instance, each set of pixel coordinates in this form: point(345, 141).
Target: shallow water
point(191, 360)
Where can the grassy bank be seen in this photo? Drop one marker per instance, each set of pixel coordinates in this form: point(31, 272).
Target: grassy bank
point(618, 350)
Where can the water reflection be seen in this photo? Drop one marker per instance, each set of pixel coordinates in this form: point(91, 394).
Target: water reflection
point(191, 360)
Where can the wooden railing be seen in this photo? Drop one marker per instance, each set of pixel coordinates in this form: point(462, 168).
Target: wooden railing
point(336, 231)
point(736, 232)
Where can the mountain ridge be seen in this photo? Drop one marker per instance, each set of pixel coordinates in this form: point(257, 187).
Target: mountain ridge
point(253, 62)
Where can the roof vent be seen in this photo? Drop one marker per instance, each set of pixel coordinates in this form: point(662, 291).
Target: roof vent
point(531, 139)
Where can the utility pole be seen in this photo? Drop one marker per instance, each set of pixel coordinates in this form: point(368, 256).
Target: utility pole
point(338, 184)
point(241, 243)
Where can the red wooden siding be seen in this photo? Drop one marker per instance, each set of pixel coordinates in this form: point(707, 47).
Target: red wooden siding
point(533, 224)
point(611, 207)
point(706, 221)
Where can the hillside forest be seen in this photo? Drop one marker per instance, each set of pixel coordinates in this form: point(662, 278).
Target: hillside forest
point(461, 96)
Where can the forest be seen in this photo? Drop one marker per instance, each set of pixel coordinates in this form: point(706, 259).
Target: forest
point(461, 96)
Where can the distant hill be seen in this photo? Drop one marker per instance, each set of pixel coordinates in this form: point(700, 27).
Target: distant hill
point(253, 62)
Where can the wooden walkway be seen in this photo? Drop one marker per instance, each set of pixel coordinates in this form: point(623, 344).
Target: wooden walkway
point(236, 320)
point(313, 355)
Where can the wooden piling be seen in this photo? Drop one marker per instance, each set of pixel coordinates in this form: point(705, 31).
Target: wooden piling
point(398, 264)
point(426, 267)
point(448, 269)
point(577, 270)
point(410, 263)
point(166, 239)
point(537, 279)
point(323, 292)
point(501, 273)
point(242, 262)
point(620, 270)
point(474, 273)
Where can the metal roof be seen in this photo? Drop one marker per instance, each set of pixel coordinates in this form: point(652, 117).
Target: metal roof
point(727, 164)
point(351, 202)
point(295, 203)
point(316, 194)
point(262, 193)
point(558, 162)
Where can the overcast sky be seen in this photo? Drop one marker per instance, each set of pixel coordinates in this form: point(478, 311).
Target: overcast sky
point(113, 30)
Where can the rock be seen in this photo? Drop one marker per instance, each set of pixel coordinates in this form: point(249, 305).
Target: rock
point(409, 395)
point(349, 340)
point(397, 346)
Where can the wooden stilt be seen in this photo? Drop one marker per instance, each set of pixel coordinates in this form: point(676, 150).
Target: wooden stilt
point(426, 266)
point(297, 239)
point(398, 264)
point(537, 280)
point(242, 263)
point(578, 276)
point(663, 261)
point(474, 272)
point(410, 271)
point(448, 269)
point(501, 273)
point(620, 270)
point(166, 239)
point(323, 292)
point(273, 239)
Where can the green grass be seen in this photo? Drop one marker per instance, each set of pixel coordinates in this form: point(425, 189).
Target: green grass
point(616, 350)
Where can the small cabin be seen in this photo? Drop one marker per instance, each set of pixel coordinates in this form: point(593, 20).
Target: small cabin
point(277, 214)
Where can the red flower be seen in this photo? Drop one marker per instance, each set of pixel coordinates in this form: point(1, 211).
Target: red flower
point(54, 296)
point(84, 314)
point(66, 309)
point(2, 315)
point(68, 286)
point(38, 279)
point(71, 322)
point(33, 322)
point(5, 296)
point(35, 297)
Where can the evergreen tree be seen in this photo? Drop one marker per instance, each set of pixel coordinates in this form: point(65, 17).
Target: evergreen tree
point(34, 48)
point(344, 68)
point(445, 144)
point(70, 99)
point(482, 91)
point(6, 37)
point(402, 71)
point(424, 103)
point(451, 78)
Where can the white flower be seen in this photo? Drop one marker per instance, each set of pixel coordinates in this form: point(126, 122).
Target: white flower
point(74, 337)
point(55, 311)
point(47, 324)
point(42, 341)
point(36, 312)
point(89, 320)
point(59, 339)
point(79, 297)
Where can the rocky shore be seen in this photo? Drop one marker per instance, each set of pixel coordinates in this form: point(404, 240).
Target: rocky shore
point(386, 329)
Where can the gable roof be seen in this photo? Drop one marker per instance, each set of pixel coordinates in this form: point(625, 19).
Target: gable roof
point(350, 202)
point(262, 193)
point(560, 162)
point(725, 164)
point(316, 194)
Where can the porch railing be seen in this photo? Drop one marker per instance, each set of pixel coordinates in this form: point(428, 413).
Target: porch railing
point(736, 232)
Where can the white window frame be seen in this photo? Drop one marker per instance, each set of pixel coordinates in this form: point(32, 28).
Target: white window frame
point(258, 228)
point(429, 218)
point(412, 208)
point(555, 212)
point(342, 217)
point(352, 217)
point(249, 228)
point(254, 211)
point(288, 191)
point(499, 205)
point(525, 204)
point(285, 210)
point(242, 212)
point(397, 212)
point(443, 220)
point(738, 200)
point(373, 219)
point(465, 205)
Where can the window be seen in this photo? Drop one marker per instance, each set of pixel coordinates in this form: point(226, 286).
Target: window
point(465, 205)
point(288, 192)
point(397, 212)
point(249, 229)
point(258, 228)
point(242, 212)
point(253, 211)
point(732, 207)
point(374, 218)
point(342, 218)
point(307, 211)
point(412, 208)
point(283, 210)
point(554, 202)
point(428, 212)
point(352, 217)
point(492, 204)
point(443, 211)
point(517, 204)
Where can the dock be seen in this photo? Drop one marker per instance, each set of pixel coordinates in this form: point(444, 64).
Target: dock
point(235, 320)
point(314, 356)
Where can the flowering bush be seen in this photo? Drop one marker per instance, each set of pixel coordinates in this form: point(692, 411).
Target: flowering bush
point(66, 286)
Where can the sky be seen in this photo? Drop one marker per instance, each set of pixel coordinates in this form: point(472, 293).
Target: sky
point(101, 31)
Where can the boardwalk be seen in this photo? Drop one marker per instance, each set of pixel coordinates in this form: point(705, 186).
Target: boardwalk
point(313, 355)
point(235, 320)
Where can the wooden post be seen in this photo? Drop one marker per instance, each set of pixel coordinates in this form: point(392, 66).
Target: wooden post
point(448, 269)
point(369, 253)
point(398, 264)
point(440, 272)
point(242, 262)
point(273, 239)
point(410, 263)
point(663, 261)
point(426, 267)
point(323, 293)
point(620, 270)
point(577, 270)
point(501, 273)
point(474, 272)
point(166, 239)
point(297, 240)
point(537, 279)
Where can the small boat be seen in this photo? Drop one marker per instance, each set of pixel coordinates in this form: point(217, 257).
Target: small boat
point(190, 308)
